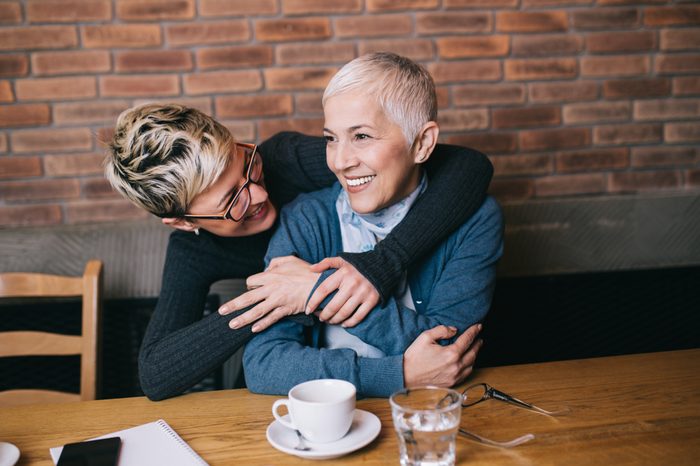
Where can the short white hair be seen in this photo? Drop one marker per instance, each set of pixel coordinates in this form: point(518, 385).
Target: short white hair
point(404, 89)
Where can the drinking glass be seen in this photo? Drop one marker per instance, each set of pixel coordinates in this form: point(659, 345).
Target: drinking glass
point(426, 420)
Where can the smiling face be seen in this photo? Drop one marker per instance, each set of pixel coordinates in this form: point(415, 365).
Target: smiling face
point(368, 152)
point(259, 217)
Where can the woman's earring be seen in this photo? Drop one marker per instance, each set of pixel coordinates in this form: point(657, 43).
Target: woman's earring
point(196, 231)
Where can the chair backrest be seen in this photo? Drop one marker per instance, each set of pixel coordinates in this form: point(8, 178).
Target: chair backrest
point(33, 343)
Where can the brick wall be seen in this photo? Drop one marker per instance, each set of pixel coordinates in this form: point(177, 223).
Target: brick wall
point(568, 97)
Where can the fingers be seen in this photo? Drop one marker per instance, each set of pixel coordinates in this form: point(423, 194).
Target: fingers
point(359, 314)
point(251, 315)
point(465, 340)
point(271, 318)
point(328, 263)
point(440, 332)
point(280, 261)
point(246, 299)
point(468, 361)
point(327, 286)
point(335, 304)
point(347, 310)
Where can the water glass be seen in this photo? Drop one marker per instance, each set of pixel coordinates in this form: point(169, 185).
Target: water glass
point(426, 420)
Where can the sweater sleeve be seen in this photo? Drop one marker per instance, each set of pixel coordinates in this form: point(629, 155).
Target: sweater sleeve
point(458, 181)
point(180, 347)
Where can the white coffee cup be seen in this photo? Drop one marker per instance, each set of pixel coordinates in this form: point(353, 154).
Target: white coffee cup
point(322, 410)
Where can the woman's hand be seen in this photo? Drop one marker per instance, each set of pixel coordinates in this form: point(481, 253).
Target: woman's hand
point(356, 296)
point(281, 290)
point(426, 362)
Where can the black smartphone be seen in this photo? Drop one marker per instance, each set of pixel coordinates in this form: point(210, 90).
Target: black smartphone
point(103, 452)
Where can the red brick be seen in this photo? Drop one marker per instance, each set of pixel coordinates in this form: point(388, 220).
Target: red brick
point(592, 160)
point(241, 130)
point(13, 66)
point(375, 6)
point(473, 46)
point(453, 22)
point(644, 181)
point(102, 211)
point(38, 37)
point(616, 42)
point(526, 117)
point(629, 2)
point(234, 57)
point(68, 11)
point(553, 139)
point(512, 189)
point(6, 94)
point(96, 188)
point(680, 39)
point(563, 91)
point(686, 85)
point(636, 88)
point(304, 7)
point(677, 64)
point(121, 35)
point(143, 61)
point(54, 140)
point(415, 49)
point(667, 109)
point(155, 10)
point(101, 111)
point(253, 105)
point(488, 94)
point(480, 3)
point(10, 13)
point(71, 62)
point(461, 71)
point(443, 96)
point(314, 53)
point(310, 126)
point(19, 167)
point(463, 120)
point(555, 3)
point(24, 115)
point(139, 86)
point(41, 189)
point(308, 103)
point(564, 185)
point(540, 21)
point(30, 215)
point(488, 143)
point(596, 112)
point(547, 45)
point(692, 178)
point(540, 68)
point(677, 15)
point(626, 134)
point(222, 82)
point(200, 33)
point(74, 87)
point(618, 65)
point(3, 142)
point(377, 25)
point(531, 164)
point(605, 18)
point(280, 30)
point(218, 8)
point(682, 132)
point(664, 156)
point(305, 78)
point(73, 164)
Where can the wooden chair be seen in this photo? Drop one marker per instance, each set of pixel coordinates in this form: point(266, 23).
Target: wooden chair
point(31, 343)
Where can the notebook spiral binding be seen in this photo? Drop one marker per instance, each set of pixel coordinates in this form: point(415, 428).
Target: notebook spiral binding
point(164, 425)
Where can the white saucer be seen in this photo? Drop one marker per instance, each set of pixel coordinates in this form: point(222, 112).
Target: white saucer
point(365, 428)
point(9, 454)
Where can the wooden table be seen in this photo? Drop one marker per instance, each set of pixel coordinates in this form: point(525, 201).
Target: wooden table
point(638, 409)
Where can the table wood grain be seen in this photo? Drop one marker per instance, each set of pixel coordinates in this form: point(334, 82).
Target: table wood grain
point(635, 409)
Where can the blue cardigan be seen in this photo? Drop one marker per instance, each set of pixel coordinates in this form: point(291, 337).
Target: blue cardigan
point(453, 285)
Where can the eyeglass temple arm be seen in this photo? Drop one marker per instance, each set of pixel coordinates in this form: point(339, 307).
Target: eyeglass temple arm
point(499, 395)
point(513, 443)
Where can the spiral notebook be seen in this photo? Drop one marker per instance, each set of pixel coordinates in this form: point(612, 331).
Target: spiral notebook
point(154, 443)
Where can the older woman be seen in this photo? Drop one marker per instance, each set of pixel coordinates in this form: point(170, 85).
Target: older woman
point(380, 126)
point(185, 167)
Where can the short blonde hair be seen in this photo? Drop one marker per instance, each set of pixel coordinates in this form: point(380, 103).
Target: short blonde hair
point(163, 155)
point(404, 89)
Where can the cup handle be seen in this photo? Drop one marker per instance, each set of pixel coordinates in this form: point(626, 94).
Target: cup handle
point(284, 422)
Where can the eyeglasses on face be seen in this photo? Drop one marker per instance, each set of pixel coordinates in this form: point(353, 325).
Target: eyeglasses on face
point(239, 202)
